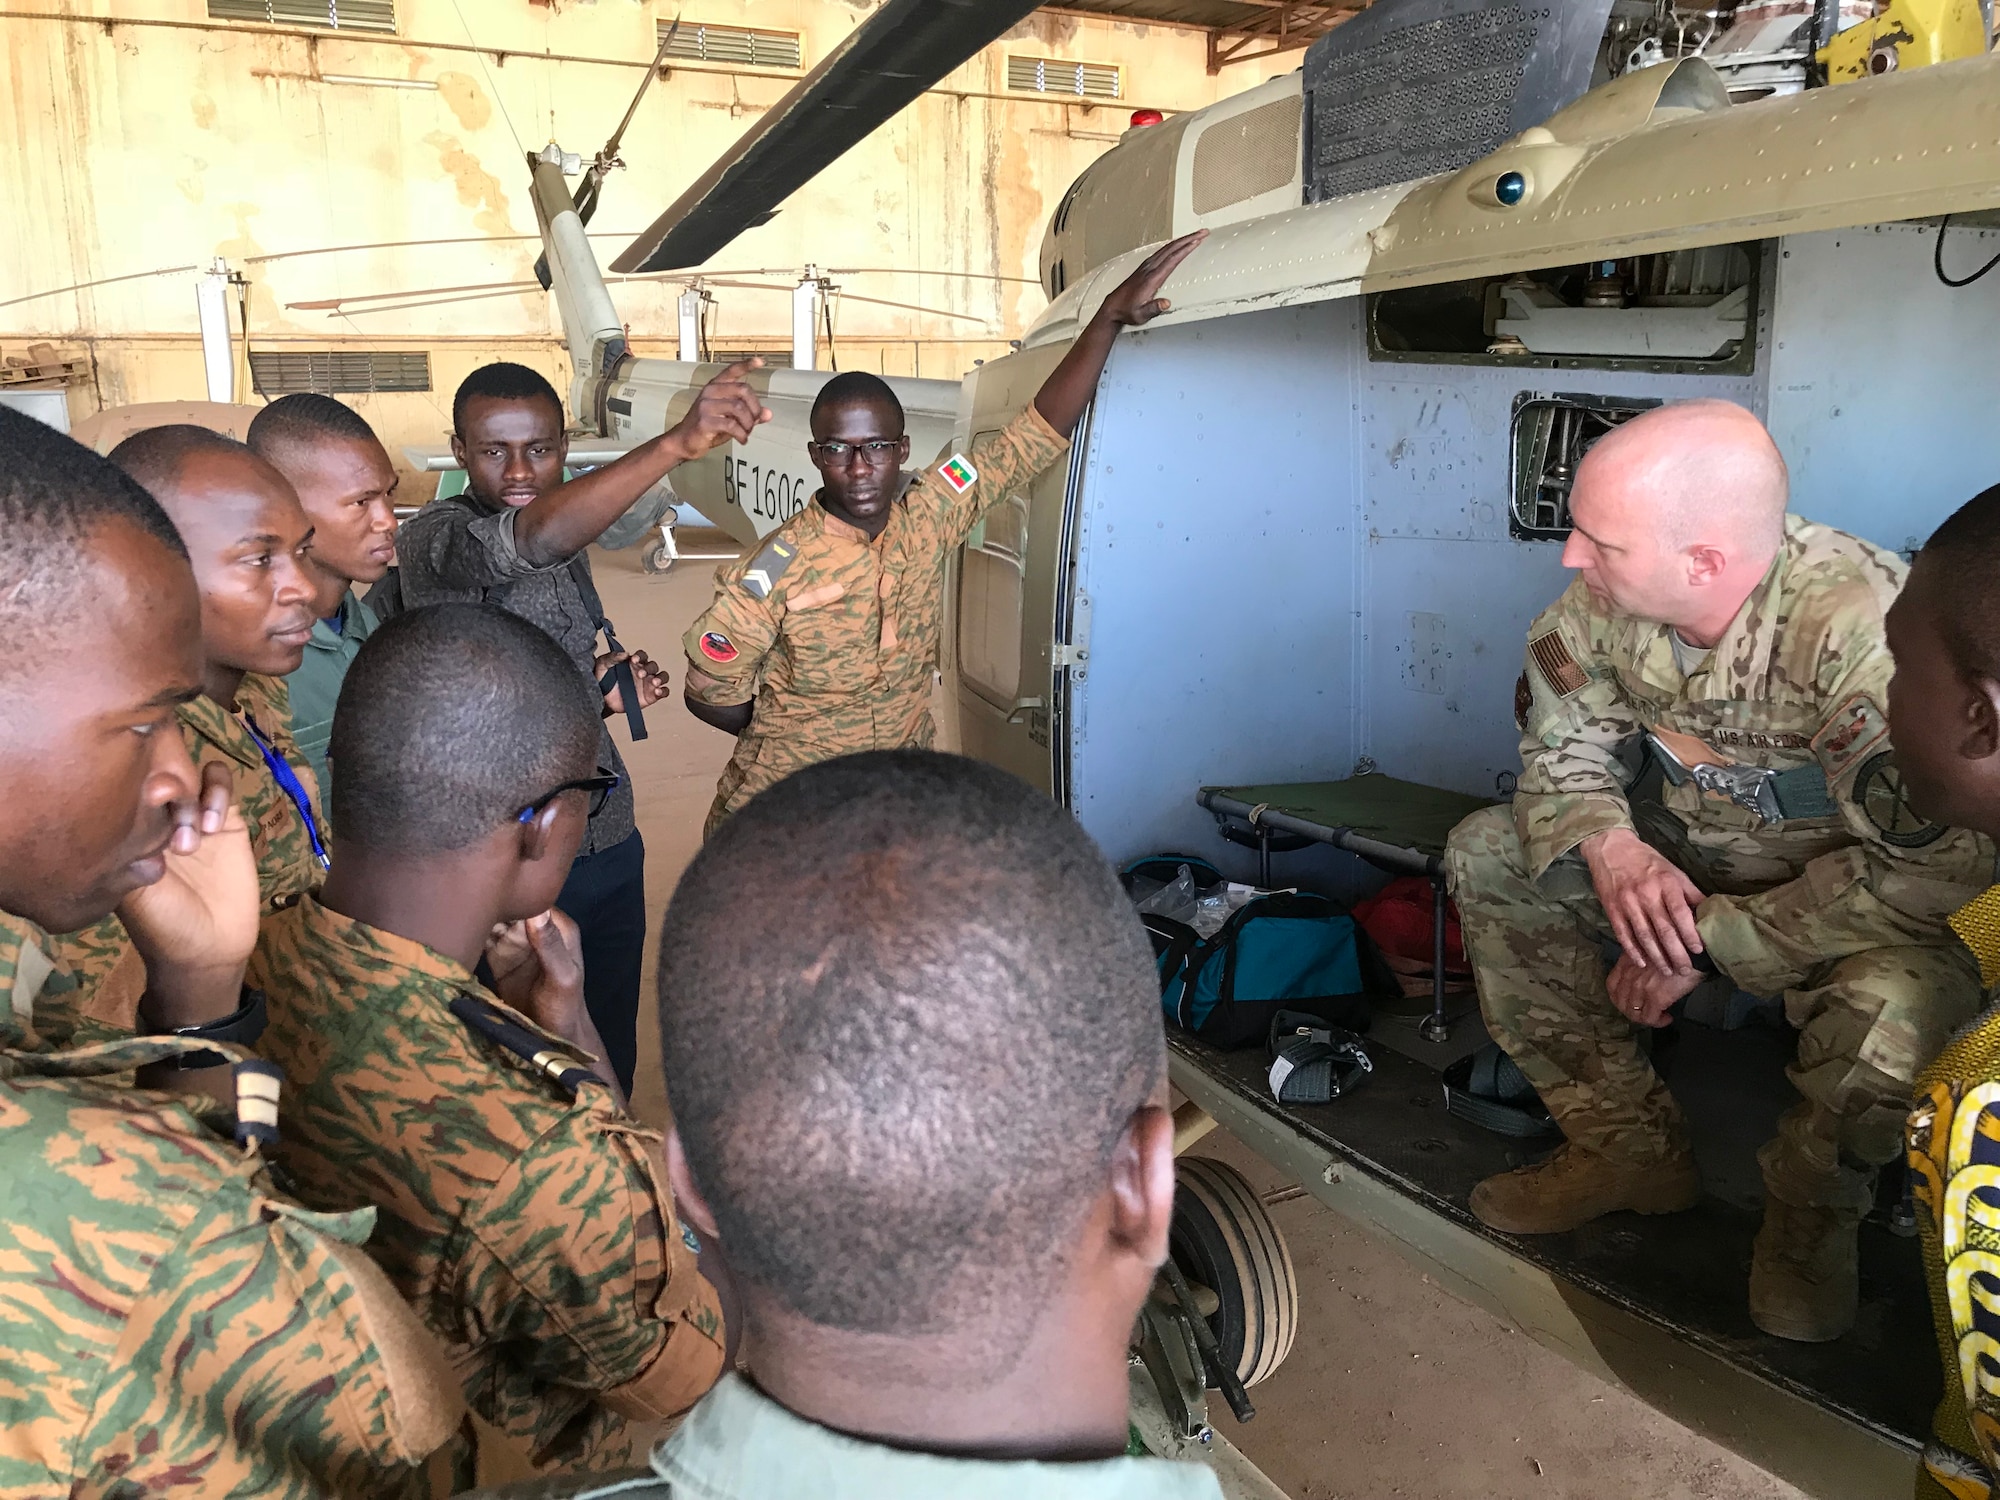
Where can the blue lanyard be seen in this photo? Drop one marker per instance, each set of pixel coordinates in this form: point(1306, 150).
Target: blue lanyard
point(289, 783)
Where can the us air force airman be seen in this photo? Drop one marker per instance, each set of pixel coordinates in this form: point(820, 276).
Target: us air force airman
point(1708, 783)
point(173, 1322)
point(824, 641)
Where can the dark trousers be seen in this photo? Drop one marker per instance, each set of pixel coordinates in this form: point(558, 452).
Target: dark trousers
point(605, 896)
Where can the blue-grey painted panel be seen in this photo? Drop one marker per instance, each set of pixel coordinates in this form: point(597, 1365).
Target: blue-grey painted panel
point(1883, 379)
point(1448, 594)
point(1216, 545)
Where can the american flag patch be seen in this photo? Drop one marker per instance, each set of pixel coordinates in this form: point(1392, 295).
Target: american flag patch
point(1559, 670)
point(957, 473)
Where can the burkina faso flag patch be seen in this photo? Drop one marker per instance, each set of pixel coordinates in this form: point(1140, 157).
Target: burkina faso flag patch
point(958, 473)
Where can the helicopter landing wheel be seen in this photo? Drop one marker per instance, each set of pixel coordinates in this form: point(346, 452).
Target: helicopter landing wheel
point(658, 559)
point(1223, 1239)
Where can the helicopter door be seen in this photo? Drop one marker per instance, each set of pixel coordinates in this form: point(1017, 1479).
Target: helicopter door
point(1012, 580)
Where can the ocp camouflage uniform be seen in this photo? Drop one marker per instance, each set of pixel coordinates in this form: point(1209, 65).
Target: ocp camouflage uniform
point(110, 975)
point(1954, 1146)
point(1838, 906)
point(169, 1323)
point(835, 636)
point(522, 1213)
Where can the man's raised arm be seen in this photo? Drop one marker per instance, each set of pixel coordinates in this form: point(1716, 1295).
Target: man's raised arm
point(1135, 302)
point(573, 515)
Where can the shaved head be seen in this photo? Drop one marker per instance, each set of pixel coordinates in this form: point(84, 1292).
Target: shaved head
point(1678, 514)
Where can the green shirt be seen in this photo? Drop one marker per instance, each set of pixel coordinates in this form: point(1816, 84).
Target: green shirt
point(739, 1444)
point(315, 687)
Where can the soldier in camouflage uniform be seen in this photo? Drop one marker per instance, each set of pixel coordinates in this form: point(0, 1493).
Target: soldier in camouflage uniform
point(1944, 711)
point(825, 640)
point(247, 536)
point(171, 1322)
point(523, 1211)
point(1708, 784)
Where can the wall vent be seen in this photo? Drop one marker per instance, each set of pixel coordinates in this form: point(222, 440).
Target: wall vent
point(335, 15)
point(338, 371)
point(734, 44)
point(1050, 75)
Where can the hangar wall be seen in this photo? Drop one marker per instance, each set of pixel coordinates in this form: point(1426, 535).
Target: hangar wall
point(149, 135)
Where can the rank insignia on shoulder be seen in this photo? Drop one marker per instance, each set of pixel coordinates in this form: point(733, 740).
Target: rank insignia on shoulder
point(1551, 656)
point(958, 473)
point(768, 566)
point(717, 647)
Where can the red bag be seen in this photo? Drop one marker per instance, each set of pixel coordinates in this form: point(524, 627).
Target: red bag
point(1399, 918)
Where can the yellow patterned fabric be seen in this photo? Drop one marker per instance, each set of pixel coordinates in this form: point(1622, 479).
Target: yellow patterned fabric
point(1977, 924)
point(1954, 1154)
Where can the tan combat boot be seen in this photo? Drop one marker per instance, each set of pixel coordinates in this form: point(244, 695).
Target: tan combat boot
point(1575, 1185)
point(1805, 1271)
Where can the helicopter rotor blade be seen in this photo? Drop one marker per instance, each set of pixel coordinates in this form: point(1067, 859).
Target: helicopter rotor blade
point(935, 312)
point(881, 66)
point(329, 304)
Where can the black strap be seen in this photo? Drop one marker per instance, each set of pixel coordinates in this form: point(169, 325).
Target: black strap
point(524, 1044)
point(619, 678)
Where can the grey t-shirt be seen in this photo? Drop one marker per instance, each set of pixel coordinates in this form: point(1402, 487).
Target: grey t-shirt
point(458, 550)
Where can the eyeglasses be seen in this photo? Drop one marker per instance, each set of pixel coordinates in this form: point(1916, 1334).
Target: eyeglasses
point(600, 787)
point(876, 450)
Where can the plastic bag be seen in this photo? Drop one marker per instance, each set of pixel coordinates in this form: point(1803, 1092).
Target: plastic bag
point(1176, 900)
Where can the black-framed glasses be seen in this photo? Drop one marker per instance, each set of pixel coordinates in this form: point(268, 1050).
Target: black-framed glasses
point(876, 450)
point(600, 787)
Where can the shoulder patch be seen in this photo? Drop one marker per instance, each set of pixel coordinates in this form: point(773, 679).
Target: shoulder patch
point(957, 473)
point(1551, 656)
point(560, 1067)
point(768, 566)
point(717, 647)
point(1851, 731)
point(1884, 801)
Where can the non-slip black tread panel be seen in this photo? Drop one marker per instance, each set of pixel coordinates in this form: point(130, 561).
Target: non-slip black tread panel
point(1687, 1272)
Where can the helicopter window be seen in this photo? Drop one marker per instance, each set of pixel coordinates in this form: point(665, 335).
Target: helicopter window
point(1680, 310)
point(1551, 434)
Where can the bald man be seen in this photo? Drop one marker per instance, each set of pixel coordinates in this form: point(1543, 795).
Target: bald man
point(1708, 788)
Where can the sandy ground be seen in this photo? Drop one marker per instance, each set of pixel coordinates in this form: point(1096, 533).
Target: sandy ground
point(1395, 1387)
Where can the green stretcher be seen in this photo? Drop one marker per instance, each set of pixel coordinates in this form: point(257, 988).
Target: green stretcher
point(1398, 826)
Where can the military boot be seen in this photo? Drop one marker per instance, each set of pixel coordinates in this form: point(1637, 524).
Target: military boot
point(1576, 1185)
point(1805, 1271)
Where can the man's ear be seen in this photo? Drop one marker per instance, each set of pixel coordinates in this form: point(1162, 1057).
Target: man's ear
point(538, 833)
point(903, 450)
point(1982, 721)
point(1142, 1184)
point(458, 449)
point(1705, 564)
point(562, 443)
point(688, 1201)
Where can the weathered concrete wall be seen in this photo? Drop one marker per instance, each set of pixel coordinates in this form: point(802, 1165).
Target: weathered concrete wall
point(144, 136)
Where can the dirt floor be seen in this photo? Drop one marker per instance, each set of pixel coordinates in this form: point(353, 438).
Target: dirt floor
point(1395, 1387)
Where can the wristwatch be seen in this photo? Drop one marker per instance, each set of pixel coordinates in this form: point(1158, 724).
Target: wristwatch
point(244, 1025)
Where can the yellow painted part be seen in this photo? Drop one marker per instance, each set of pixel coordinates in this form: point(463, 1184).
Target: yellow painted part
point(1914, 33)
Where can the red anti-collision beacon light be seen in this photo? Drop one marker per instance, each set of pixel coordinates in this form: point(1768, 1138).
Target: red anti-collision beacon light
point(1141, 118)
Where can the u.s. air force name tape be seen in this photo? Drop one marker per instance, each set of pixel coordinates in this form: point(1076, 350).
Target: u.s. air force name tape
point(768, 566)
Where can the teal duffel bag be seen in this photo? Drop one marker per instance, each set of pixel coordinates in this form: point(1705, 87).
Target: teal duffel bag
point(1285, 950)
